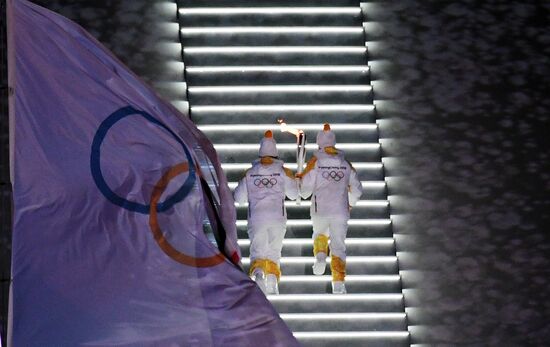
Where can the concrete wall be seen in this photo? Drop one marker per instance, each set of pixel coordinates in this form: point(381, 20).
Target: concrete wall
point(465, 130)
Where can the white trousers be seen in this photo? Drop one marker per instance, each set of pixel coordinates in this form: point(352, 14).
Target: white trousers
point(336, 229)
point(266, 240)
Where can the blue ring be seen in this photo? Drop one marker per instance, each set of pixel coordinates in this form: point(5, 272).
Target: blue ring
point(95, 164)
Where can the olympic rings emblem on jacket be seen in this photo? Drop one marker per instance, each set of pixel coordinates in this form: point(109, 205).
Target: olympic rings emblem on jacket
point(333, 175)
point(265, 182)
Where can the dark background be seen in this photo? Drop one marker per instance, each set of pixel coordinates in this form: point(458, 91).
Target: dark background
point(462, 96)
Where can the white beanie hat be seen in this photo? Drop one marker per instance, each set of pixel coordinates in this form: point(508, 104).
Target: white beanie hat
point(268, 146)
point(326, 137)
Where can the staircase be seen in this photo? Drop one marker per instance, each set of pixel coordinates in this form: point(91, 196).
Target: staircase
point(304, 61)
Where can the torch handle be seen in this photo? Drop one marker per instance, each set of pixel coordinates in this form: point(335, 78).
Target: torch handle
point(300, 158)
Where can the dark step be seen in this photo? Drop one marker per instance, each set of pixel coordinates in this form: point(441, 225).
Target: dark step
point(264, 3)
point(370, 265)
point(271, 16)
point(371, 171)
point(280, 94)
point(251, 134)
point(272, 36)
point(302, 212)
point(361, 321)
point(305, 231)
point(354, 247)
point(277, 75)
point(275, 55)
point(289, 303)
point(371, 191)
point(235, 153)
point(354, 284)
point(357, 339)
point(250, 114)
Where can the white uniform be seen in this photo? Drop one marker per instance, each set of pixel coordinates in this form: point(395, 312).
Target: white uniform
point(334, 186)
point(264, 187)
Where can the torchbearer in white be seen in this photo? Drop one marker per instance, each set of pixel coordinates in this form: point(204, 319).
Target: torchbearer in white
point(334, 186)
point(264, 187)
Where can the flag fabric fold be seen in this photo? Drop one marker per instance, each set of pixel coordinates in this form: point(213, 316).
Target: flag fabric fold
point(124, 226)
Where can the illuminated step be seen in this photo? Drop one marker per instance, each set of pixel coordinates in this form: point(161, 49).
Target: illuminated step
point(330, 303)
point(270, 16)
point(276, 68)
point(288, 146)
point(347, 335)
point(267, 3)
point(231, 30)
point(349, 278)
point(307, 222)
point(268, 10)
point(293, 166)
point(276, 127)
point(334, 298)
point(283, 108)
point(349, 241)
point(348, 321)
point(275, 49)
point(307, 203)
point(280, 89)
point(349, 260)
point(344, 316)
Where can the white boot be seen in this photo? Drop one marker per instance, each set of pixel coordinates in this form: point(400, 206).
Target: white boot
point(320, 263)
point(259, 277)
point(338, 287)
point(272, 286)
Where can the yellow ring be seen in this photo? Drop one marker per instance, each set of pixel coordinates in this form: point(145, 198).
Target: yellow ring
point(163, 243)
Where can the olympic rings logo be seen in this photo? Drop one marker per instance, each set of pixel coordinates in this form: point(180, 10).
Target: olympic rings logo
point(265, 182)
point(154, 207)
point(333, 175)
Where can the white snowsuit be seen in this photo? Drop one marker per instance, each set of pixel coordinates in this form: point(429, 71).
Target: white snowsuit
point(265, 187)
point(335, 188)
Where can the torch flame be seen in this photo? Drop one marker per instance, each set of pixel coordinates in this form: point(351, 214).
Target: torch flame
point(286, 128)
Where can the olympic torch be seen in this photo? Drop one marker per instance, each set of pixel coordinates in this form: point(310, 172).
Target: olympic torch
point(300, 148)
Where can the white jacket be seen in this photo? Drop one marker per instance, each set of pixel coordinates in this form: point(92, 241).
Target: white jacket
point(265, 187)
point(334, 184)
